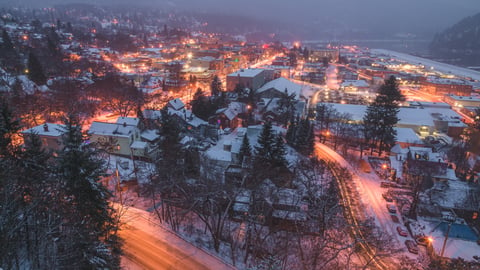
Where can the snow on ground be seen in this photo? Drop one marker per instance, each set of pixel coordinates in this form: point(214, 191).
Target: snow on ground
point(442, 67)
point(126, 168)
point(368, 187)
point(460, 243)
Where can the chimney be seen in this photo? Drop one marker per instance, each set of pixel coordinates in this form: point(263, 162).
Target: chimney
point(124, 124)
point(45, 127)
point(227, 146)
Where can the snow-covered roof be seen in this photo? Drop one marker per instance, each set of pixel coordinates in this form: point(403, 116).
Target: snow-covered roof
point(139, 145)
point(149, 135)
point(176, 104)
point(407, 115)
point(187, 116)
point(129, 121)
point(407, 135)
point(235, 138)
point(355, 83)
point(280, 84)
point(111, 129)
point(47, 129)
point(248, 73)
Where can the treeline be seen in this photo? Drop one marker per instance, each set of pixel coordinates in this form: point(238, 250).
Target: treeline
point(460, 43)
point(54, 212)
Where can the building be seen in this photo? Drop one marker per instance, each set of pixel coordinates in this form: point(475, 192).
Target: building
point(424, 120)
point(50, 135)
point(250, 78)
point(318, 55)
point(277, 88)
point(462, 101)
point(118, 137)
point(440, 86)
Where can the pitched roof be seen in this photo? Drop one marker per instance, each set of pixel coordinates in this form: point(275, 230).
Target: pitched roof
point(111, 129)
point(280, 85)
point(47, 129)
point(129, 121)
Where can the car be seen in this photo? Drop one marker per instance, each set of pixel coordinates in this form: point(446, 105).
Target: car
point(391, 208)
point(422, 241)
point(395, 218)
point(401, 231)
point(411, 246)
point(387, 197)
point(385, 184)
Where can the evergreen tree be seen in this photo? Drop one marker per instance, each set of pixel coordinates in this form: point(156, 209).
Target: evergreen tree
point(381, 116)
point(216, 86)
point(89, 217)
point(279, 152)
point(7, 42)
point(35, 70)
point(266, 140)
point(291, 133)
point(9, 128)
point(245, 149)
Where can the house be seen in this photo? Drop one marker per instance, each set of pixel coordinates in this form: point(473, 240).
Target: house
point(272, 109)
point(176, 104)
point(120, 136)
point(230, 117)
point(225, 152)
point(412, 162)
point(277, 88)
point(50, 135)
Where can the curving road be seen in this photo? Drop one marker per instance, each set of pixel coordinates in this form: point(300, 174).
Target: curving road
point(350, 209)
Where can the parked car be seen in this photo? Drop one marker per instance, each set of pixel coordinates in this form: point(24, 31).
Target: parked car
point(385, 184)
point(401, 231)
point(387, 197)
point(395, 218)
point(391, 208)
point(422, 241)
point(411, 246)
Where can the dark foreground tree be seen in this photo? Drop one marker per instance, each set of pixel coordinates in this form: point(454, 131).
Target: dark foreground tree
point(89, 227)
point(35, 70)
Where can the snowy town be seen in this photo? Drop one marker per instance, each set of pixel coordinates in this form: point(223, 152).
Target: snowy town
point(139, 140)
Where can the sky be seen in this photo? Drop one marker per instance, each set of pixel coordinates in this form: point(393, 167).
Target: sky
point(377, 15)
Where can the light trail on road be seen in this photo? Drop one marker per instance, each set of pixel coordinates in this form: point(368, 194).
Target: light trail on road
point(151, 253)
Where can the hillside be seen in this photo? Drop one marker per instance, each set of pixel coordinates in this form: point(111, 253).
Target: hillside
point(459, 44)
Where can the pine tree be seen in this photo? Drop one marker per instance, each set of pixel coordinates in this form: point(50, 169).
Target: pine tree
point(7, 42)
point(381, 116)
point(279, 152)
point(291, 133)
point(89, 217)
point(35, 70)
point(216, 86)
point(9, 127)
point(266, 140)
point(245, 149)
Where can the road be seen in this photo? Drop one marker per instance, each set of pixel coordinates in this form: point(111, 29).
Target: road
point(351, 211)
point(148, 252)
point(147, 245)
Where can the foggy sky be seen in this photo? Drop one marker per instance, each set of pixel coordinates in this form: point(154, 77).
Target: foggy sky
point(400, 16)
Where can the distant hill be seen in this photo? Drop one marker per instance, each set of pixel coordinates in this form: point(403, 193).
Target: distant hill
point(459, 44)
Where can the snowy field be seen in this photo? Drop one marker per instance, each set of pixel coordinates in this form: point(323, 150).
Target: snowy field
point(442, 67)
